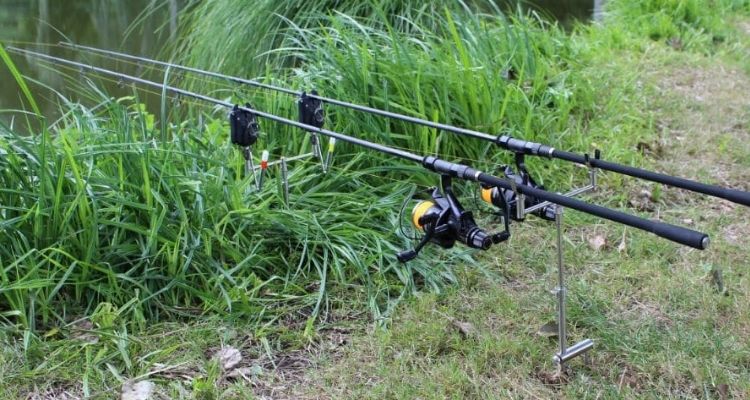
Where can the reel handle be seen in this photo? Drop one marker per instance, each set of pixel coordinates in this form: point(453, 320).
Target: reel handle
point(408, 255)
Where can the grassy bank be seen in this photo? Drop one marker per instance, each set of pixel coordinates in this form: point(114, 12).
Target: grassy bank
point(134, 246)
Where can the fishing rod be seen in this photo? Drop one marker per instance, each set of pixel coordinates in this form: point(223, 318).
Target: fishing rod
point(518, 146)
point(445, 221)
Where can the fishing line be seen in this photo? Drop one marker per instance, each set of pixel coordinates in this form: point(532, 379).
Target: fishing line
point(200, 104)
point(183, 73)
point(185, 100)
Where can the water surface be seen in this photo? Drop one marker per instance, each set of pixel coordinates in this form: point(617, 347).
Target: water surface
point(39, 24)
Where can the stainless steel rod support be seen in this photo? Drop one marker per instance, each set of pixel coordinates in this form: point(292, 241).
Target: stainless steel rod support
point(565, 353)
point(249, 167)
point(560, 290)
point(521, 203)
point(316, 150)
point(287, 160)
point(574, 351)
point(285, 181)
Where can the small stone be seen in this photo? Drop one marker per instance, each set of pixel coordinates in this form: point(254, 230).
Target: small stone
point(597, 242)
point(137, 390)
point(228, 358)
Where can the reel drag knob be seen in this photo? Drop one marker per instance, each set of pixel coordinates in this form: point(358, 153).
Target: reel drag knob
point(478, 239)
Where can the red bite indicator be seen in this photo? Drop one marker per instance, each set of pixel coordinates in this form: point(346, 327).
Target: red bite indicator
point(264, 160)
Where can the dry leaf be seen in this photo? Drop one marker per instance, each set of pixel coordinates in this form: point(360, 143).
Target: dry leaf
point(137, 391)
point(597, 242)
point(466, 329)
point(643, 201)
point(228, 357)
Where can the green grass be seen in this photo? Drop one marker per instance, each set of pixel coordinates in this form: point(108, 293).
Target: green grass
point(104, 212)
point(145, 225)
point(249, 44)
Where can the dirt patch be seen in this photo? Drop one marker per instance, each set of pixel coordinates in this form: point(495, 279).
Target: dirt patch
point(289, 374)
point(56, 392)
point(735, 233)
point(712, 129)
point(744, 26)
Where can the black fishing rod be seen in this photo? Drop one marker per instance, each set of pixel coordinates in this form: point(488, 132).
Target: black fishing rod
point(517, 146)
point(446, 217)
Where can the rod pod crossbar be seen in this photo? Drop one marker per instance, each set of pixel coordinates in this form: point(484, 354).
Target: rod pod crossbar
point(504, 141)
point(681, 235)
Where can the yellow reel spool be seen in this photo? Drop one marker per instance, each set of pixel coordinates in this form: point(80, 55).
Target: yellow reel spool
point(419, 210)
point(487, 195)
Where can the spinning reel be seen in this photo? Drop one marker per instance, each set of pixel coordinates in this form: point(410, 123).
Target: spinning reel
point(510, 201)
point(444, 222)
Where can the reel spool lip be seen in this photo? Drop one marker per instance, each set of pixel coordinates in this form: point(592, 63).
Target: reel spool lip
point(419, 210)
point(486, 194)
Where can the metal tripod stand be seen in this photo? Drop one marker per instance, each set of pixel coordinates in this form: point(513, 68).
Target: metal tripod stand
point(564, 353)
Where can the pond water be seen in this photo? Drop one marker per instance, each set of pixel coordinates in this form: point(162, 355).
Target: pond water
point(39, 24)
point(565, 11)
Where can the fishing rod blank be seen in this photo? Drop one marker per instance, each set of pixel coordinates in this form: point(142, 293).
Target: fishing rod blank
point(504, 141)
point(685, 236)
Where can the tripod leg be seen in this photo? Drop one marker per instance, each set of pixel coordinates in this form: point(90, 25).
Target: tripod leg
point(565, 353)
